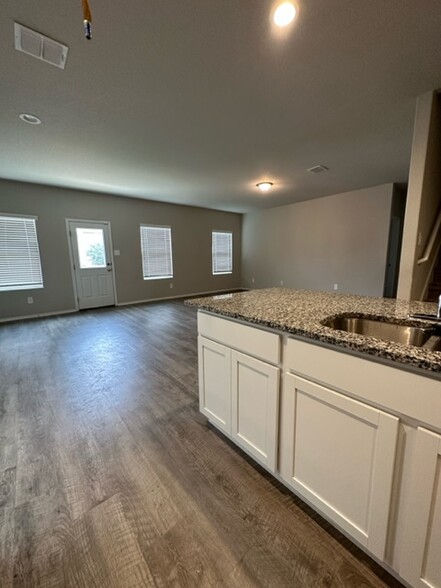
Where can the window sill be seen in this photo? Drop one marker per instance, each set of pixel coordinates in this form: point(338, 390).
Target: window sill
point(14, 288)
point(159, 278)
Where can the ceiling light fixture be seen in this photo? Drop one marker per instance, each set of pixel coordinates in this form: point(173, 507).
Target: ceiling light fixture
point(265, 186)
point(284, 14)
point(31, 119)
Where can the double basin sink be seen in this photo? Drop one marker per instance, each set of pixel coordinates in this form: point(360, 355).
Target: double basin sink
point(427, 336)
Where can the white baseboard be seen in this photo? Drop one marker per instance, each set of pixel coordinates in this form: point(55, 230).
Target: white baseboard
point(34, 316)
point(191, 295)
point(145, 301)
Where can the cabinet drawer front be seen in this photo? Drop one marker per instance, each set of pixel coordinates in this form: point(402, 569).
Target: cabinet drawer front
point(255, 342)
point(339, 455)
point(255, 405)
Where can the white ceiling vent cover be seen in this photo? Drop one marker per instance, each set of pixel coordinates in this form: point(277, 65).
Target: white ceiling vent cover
point(39, 46)
point(316, 169)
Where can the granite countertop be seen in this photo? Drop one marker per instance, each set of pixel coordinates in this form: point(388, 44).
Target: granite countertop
point(303, 312)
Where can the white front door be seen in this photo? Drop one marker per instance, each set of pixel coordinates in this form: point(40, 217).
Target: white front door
point(92, 263)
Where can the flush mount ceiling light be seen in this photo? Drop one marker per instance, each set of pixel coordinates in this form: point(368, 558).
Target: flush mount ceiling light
point(31, 119)
point(284, 14)
point(265, 186)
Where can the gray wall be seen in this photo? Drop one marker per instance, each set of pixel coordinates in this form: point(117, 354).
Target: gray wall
point(191, 236)
point(423, 197)
point(339, 239)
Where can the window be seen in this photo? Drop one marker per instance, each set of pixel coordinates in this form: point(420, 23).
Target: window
point(91, 248)
point(222, 251)
point(20, 266)
point(156, 250)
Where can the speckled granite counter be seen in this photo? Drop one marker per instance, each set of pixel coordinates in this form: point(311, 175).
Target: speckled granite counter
point(302, 312)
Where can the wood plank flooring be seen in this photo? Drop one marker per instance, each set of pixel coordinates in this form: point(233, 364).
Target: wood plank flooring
point(110, 477)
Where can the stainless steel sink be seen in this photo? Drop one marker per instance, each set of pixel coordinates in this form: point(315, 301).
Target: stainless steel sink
point(433, 343)
point(427, 337)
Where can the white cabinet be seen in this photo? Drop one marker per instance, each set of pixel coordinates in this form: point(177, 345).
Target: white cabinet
point(339, 455)
point(215, 383)
point(421, 553)
point(255, 405)
point(239, 392)
point(345, 433)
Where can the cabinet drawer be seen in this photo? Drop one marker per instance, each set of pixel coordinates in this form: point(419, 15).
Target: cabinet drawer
point(255, 342)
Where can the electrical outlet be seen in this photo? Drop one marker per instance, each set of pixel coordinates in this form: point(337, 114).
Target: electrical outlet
point(252, 280)
point(171, 284)
point(116, 252)
point(30, 300)
point(281, 282)
point(335, 286)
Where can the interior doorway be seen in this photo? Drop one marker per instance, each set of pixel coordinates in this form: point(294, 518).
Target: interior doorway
point(393, 258)
point(91, 250)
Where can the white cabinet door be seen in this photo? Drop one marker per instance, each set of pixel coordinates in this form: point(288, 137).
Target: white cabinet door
point(215, 383)
point(421, 554)
point(339, 454)
point(255, 405)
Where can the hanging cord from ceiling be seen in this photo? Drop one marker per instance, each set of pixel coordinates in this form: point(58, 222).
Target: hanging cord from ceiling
point(87, 16)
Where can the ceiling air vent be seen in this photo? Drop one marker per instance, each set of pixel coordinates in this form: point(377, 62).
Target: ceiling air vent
point(39, 46)
point(317, 169)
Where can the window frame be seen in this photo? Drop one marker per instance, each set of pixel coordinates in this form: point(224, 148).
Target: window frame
point(145, 261)
point(213, 252)
point(33, 258)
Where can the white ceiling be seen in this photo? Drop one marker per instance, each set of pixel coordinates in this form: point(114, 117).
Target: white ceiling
point(194, 101)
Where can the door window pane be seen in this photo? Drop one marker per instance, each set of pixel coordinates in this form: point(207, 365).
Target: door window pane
point(91, 248)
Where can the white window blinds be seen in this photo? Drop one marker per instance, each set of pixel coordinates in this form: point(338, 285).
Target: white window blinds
point(156, 250)
point(20, 267)
point(222, 252)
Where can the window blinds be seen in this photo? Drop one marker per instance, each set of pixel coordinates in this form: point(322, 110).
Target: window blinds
point(20, 267)
point(156, 250)
point(222, 250)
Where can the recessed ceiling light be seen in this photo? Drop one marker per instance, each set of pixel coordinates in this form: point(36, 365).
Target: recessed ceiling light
point(264, 186)
point(31, 119)
point(284, 14)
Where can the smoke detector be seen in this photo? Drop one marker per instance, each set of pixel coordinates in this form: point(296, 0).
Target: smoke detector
point(39, 46)
point(317, 169)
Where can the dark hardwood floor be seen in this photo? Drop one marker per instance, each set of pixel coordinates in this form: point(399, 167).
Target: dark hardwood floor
point(109, 476)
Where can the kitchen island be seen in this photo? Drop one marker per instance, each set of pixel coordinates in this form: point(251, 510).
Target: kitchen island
point(303, 312)
point(351, 424)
